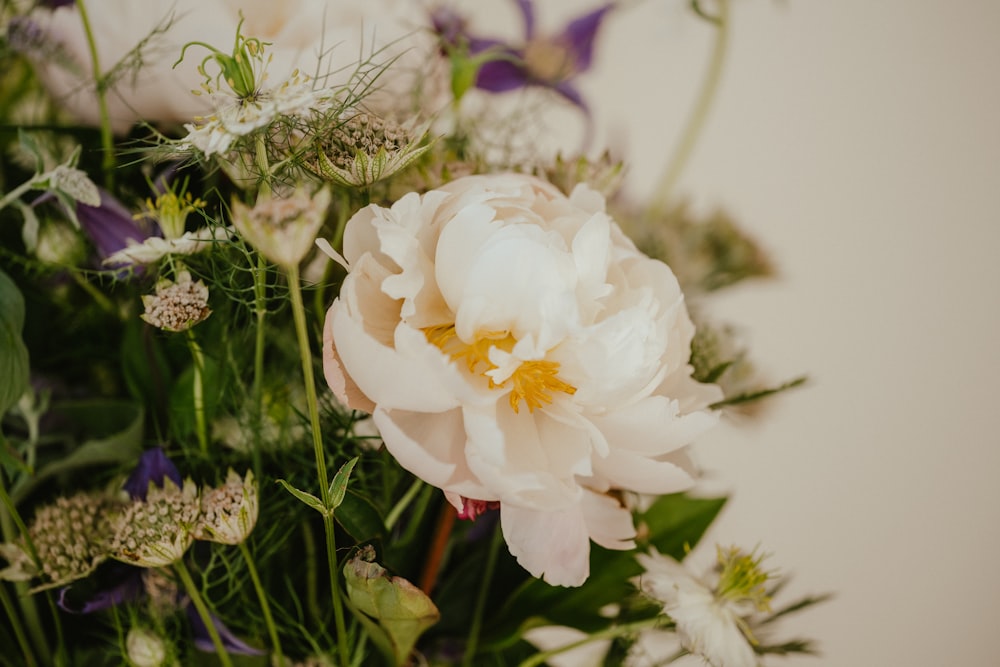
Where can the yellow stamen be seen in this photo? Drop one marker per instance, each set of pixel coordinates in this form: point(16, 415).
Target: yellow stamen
point(532, 382)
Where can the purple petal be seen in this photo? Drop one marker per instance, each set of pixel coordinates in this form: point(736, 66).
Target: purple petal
point(109, 225)
point(579, 36)
point(527, 8)
point(153, 466)
point(129, 587)
point(499, 76)
point(449, 25)
point(203, 641)
point(569, 91)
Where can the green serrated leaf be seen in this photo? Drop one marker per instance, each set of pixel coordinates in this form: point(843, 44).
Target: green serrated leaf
point(14, 364)
point(401, 609)
point(306, 497)
point(338, 486)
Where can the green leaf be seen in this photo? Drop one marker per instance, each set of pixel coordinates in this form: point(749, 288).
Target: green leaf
point(401, 609)
point(359, 517)
point(306, 497)
point(338, 487)
point(115, 436)
point(759, 393)
point(13, 353)
point(676, 522)
point(182, 414)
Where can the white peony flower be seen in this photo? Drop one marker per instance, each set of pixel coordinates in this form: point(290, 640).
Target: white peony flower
point(709, 618)
point(515, 347)
point(314, 36)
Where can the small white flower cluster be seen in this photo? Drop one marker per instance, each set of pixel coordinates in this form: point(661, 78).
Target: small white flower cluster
point(228, 512)
point(158, 530)
point(67, 536)
point(177, 306)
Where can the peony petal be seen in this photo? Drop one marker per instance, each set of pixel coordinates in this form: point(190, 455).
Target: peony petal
point(432, 448)
point(553, 545)
point(608, 523)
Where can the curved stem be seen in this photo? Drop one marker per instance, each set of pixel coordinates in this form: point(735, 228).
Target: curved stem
point(484, 590)
point(107, 139)
point(312, 402)
point(202, 608)
point(265, 607)
point(699, 114)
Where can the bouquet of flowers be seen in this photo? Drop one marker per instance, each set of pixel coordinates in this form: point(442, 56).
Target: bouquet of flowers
point(323, 364)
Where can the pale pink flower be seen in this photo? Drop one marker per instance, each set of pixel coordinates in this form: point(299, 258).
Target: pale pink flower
point(515, 347)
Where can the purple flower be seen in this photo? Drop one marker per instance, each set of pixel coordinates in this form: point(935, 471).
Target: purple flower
point(125, 583)
point(110, 226)
point(551, 61)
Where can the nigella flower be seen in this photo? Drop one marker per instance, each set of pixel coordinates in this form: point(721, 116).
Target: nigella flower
point(364, 149)
point(710, 616)
point(549, 61)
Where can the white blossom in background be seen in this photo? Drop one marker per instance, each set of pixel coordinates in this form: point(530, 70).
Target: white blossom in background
point(710, 613)
point(315, 37)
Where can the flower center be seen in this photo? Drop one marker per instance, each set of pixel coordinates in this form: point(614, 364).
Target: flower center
point(532, 381)
point(549, 61)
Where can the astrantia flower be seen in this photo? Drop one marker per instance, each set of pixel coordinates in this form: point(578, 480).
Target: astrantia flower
point(68, 536)
point(158, 530)
point(177, 305)
point(515, 347)
point(282, 228)
point(710, 618)
point(229, 512)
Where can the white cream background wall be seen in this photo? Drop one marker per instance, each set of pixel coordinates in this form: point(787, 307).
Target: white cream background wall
point(860, 141)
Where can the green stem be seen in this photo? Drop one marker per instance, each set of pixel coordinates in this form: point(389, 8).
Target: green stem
point(608, 633)
point(312, 402)
point(202, 608)
point(484, 591)
point(264, 605)
point(699, 114)
point(15, 622)
point(260, 310)
point(312, 584)
point(199, 392)
point(16, 193)
point(107, 138)
point(393, 516)
point(9, 518)
point(99, 297)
